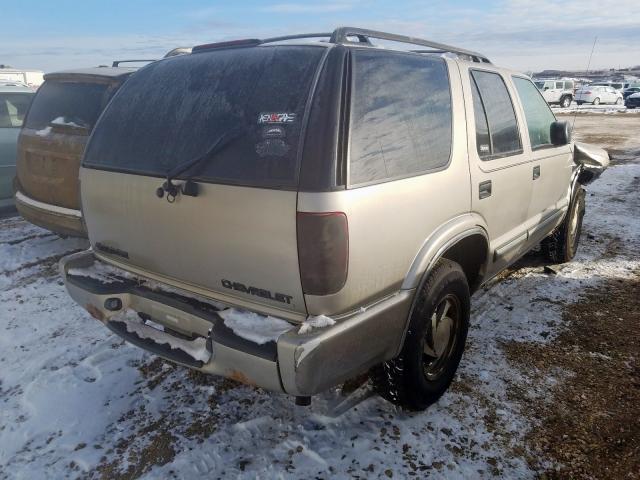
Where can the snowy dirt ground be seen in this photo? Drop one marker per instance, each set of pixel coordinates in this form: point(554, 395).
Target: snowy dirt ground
point(77, 402)
point(587, 108)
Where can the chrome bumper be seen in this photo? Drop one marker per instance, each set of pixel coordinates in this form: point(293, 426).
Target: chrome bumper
point(65, 221)
point(300, 365)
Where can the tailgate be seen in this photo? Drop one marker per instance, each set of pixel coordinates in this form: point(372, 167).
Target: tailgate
point(234, 242)
point(48, 164)
point(62, 114)
point(236, 237)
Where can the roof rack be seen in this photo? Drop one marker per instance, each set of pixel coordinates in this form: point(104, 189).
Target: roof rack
point(116, 63)
point(342, 34)
point(345, 36)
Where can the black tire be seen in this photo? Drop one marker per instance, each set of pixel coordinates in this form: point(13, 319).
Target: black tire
point(415, 379)
point(561, 246)
point(596, 101)
point(565, 101)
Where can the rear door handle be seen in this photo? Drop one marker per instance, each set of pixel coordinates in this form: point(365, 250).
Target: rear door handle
point(536, 172)
point(485, 189)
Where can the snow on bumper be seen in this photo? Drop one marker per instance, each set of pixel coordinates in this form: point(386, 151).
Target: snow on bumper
point(208, 337)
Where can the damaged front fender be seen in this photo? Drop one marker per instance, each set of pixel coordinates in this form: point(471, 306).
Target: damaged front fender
point(592, 161)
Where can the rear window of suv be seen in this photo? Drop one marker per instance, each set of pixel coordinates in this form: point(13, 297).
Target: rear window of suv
point(67, 102)
point(175, 110)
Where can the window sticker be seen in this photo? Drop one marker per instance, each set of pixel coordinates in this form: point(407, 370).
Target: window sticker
point(282, 117)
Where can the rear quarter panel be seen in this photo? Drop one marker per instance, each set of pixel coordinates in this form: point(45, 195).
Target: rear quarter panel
point(390, 222)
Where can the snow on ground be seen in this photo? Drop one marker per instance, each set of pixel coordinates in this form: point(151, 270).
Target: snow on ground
point(594, 109)
point(79, 402)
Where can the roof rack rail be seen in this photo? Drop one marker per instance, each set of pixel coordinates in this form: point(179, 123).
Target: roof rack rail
point(345, 35)
point(116, 63)
point(361, 38)
point(342, 34)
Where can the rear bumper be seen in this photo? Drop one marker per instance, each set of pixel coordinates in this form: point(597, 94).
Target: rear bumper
point(65, 221)
point(300, 365)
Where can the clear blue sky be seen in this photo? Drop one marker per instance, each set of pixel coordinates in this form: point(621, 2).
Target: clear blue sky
point(523, 34)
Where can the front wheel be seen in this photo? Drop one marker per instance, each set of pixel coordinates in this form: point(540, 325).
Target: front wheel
point(561, 246)
point(434, 342)
point(596, 101)
point(619, 101)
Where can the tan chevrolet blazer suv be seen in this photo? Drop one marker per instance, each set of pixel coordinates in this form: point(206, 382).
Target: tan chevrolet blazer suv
point(290, 213)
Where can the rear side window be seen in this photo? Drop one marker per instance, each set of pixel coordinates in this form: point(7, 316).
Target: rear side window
point(174, 111)
point(536, 111)
point(496, 126)
point(67, 102)
point(13, 107)
point(401, 116)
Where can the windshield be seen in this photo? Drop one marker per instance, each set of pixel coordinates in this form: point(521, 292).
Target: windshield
point(173, 110)
point(71, 103)
point(13, 107)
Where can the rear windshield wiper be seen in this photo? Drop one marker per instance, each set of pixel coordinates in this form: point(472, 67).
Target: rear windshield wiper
point(190, 188)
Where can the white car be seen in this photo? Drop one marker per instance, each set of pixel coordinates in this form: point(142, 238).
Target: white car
point(598, 94)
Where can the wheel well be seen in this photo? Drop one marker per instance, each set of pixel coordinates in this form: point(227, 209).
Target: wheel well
point(471, 254)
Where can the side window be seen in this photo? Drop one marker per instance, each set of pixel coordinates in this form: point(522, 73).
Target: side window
point(491, 100)
point(400, 117)
point(536, 111)
point(13, 107)
point(559, 85)
point(568, 85)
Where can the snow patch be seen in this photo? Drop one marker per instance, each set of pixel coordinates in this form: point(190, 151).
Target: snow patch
point(319, 321)
point(62, 121)
point(102, 272)
point(44, 132)
point(197, 348)
point(254, 327)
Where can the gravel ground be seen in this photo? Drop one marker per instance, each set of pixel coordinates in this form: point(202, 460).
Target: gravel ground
point(548, 387)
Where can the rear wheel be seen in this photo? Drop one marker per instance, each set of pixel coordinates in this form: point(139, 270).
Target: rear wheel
point(565, 101)
point(618, 101)
point(561, 246)
point(434, 342)
point(596, 101)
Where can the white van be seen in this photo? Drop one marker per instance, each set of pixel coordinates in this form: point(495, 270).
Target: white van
point(31, 78)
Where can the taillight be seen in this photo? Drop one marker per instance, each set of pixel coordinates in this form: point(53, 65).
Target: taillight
point(323, 251)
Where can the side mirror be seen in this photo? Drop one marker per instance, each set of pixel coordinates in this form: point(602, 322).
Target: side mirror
point(560, 133)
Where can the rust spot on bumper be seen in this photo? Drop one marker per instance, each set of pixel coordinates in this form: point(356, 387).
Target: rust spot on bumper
point(95, 312)
point(241, 377)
